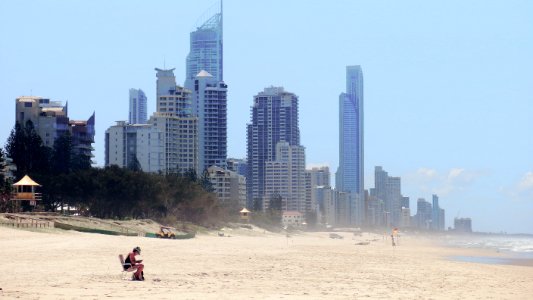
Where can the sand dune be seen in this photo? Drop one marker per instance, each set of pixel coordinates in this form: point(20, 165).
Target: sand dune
point(56, 264)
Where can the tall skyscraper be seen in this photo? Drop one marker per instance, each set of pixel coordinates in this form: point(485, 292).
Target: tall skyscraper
point(285, 177)
point(435, 213)
point(209, 104)
point(423, 213)
point(206, 51)
point(274, 118)
point(138, 111)
point(388, 189)
point(316, 178)
point(350, 174)
point(174, 117)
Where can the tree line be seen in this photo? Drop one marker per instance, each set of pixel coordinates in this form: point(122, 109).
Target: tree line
point(69, 181)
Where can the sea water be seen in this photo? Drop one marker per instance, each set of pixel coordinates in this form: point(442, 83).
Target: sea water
point(517, 244)
point(518, 247)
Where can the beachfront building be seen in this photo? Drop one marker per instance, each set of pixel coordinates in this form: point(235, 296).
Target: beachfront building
point(388, 189)
point(405, 217)
point(237, 165)
point(350, 173)
point(51, 120)
point(375, 211)
point(318, 176)
point(314, 178)
point(285, 177)
point(328, 215)
point(437, 215)
point(137, 110)
point(274, 118)
point(209, 104)
point(229, 186)
point(293, 219)
point(423, 214)
point(206, 48)
point(442, 218)
point(135, 146)
point(175, 119)
point(462, 224)
point(404, 202)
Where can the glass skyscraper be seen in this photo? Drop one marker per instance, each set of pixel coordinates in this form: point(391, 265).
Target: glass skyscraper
point(206, 50)
point(350, 174)
point(204, 78)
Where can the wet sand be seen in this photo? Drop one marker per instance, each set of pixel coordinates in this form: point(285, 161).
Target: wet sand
point(56, 264)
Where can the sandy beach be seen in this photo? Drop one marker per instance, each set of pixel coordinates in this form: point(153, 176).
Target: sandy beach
point(251, 264)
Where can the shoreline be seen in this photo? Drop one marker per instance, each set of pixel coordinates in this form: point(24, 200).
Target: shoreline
point(250, 264)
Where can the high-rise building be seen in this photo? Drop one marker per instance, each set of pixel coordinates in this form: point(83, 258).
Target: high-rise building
point(174, 117)
point(462, 224)
point(350, 174)
point(274, 118)
point(435, 213)
point(394, 197)
point(229, 186)
point(404, 202)
point(50, 119)
point(423, 214)
point(206, 51)
point(127, 145)
point(285, 177)
point(405, 217)
point(237, 165)
point(209, 104)
point(138, 113)
point(388, 189)
point(315, 177)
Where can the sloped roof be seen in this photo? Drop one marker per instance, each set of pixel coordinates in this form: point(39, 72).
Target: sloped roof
point(27, 181)
point(244, 210)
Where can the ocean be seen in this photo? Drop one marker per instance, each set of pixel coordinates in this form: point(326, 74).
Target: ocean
point(517, 244)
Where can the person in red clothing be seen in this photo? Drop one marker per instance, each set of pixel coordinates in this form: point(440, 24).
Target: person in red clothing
point(139, 275)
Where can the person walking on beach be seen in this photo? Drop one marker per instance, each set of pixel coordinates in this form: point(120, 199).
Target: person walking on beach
point(138, 275)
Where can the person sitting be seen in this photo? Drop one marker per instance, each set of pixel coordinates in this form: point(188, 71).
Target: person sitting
point(137, 264)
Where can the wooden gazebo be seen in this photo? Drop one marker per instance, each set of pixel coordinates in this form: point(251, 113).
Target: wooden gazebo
point(25, 190)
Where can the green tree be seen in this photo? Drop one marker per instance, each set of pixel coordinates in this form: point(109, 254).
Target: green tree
point(15, 148)
point(205, 182)
point(26, 149)
point(134, 164)
point(62, 156)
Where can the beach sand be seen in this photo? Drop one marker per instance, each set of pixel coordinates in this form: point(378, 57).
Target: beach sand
point(56, 264)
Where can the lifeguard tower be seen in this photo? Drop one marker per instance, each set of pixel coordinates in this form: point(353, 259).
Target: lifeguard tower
point(25, 190)
point(245, 215)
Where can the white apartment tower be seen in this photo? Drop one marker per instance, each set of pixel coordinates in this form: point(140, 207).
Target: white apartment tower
point(129, 144)
point(175, 119)
point(285, 177)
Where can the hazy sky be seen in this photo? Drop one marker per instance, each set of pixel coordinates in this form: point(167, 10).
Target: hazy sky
point(448, 84)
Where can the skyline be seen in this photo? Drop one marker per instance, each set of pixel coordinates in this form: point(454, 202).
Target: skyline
point(410, 53)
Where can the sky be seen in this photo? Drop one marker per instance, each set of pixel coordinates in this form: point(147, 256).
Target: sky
point(448, 89)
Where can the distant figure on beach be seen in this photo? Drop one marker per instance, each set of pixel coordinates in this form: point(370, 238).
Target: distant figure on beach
point(139, 274)
point(393, 242)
